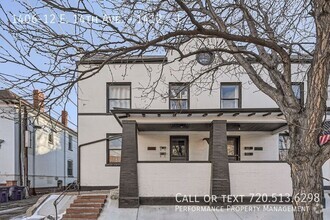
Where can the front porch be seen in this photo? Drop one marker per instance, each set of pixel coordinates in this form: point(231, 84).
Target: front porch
point(165, 158)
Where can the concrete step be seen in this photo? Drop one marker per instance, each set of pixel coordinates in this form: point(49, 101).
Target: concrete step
point(67, 218)
point(86, 205)
point(89, 200)
point(83, 210)
point(81, 216)
point(92, 197)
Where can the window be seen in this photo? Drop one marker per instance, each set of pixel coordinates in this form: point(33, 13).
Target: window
point(179, 148)
point(205, 58)
point(70, 168)
point(230, 95)
point(70, 143)
point(51, 138)
point(284, 145)
point(114, 149)
point(233, 148)
point(179, 96)
point(119, 95)
point(298, 91)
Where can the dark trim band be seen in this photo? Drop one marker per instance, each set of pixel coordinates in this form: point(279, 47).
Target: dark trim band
point(89, 188)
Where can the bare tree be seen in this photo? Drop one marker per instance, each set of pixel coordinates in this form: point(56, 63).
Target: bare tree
point(246, 32)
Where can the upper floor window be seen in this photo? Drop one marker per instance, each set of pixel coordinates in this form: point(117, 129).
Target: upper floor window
point(114, 149)
point(51, 138)
point(298, 91)
point(179, 96)
point(70, 143)
point(70, 168)
point(119, 95)
point(230, 95)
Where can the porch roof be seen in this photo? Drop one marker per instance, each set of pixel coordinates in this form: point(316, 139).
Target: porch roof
point(124, 113)
point(247, 119)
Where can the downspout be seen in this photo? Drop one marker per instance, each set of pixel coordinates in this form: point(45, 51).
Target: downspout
point(64, 131)
point(78, 171)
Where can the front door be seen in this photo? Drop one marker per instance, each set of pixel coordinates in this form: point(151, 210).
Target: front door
point(179, 148)
point(233, 148)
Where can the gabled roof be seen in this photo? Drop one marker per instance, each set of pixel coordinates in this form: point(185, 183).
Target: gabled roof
point(9, 97)
point(7, 94)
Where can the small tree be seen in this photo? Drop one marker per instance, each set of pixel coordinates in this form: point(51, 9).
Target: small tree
point(271, 32)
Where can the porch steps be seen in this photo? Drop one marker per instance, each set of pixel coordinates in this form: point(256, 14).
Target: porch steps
point(86, 207)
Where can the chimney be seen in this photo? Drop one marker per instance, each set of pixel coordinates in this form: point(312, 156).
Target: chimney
point(38, 100)
point(65, 118)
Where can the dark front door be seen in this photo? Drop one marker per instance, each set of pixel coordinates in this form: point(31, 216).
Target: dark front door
point(233, 148)
point(179, 148)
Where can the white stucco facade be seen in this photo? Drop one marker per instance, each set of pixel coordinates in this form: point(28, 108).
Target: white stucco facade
point(263, 178)
point(165, 179)
point(259, 169)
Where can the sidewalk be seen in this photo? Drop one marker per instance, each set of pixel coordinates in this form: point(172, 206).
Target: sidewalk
point(111, 211)
point(247, 212)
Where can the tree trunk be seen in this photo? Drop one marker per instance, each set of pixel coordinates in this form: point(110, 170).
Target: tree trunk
point(307, 190)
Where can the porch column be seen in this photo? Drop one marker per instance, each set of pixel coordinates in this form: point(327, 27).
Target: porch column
point(128, 185)
point(220, 184)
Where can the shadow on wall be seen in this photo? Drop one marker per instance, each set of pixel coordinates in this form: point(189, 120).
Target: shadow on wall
point(46, 144)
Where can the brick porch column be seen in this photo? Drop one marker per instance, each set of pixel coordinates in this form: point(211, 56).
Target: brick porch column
point(128, 185)
point(220, 184)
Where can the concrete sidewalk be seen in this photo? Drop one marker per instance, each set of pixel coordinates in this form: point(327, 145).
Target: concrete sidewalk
point(111, 211)
point(242, 212)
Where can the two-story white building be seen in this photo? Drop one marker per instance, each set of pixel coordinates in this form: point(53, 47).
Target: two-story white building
point(32, 142)
point(191, 139)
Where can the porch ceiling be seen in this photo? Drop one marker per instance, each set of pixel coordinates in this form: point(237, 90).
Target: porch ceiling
point(207, 126)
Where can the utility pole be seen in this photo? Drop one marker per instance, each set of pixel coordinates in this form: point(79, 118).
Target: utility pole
point(25, 144)
point(20, 142)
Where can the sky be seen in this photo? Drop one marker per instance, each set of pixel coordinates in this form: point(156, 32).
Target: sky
point(13, 69)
